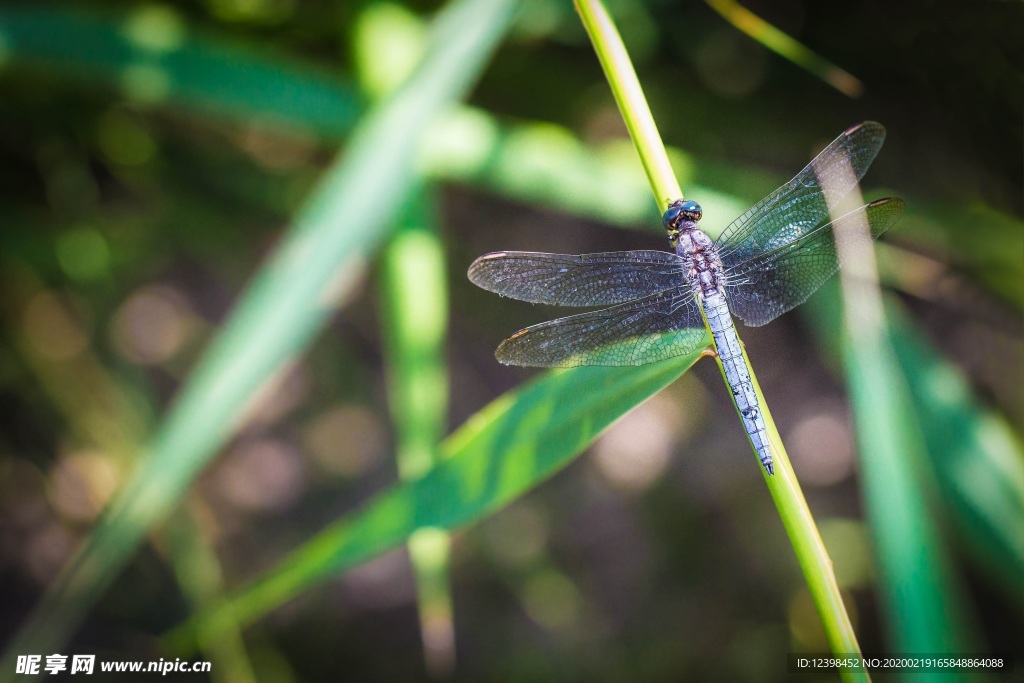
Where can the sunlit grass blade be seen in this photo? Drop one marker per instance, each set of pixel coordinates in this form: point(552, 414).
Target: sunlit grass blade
point(201, 578)
point(415, 307)
point(151, 56)
point(978, 462)
point(344, 219)
point(785, 46)
point(389, 40)
point(922, 599)
point(509, 447)
point(973, 457)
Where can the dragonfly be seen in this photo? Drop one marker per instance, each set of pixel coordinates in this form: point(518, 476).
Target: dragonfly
point(765, 263)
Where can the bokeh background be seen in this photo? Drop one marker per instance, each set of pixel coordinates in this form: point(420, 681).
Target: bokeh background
point(155, 154)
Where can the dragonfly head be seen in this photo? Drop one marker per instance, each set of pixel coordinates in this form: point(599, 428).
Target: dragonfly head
point(680, 213)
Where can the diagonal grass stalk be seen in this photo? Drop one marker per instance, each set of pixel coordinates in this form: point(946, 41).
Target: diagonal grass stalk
point(784, 488)
point(782, 44)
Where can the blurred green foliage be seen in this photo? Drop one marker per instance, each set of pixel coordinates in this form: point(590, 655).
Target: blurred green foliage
point(154, 154)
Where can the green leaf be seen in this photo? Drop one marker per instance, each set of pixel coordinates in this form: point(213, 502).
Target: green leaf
point(783, 44)
point(415, 303)
point(509, 447)
point(975, 458)
point(977, 461)
point(923, 599)
point(153, 58)
point(290, 299)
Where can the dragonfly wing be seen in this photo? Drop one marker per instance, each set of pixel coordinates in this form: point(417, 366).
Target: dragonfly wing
point(781, 278)
point(650, 329)
point(800, 204)
point(578, 280)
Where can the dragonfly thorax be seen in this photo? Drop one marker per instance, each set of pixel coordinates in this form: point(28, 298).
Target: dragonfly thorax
point(703, 264)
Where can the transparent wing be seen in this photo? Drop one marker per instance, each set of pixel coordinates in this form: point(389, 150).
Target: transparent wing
point(577, 280)
point(650, 329)
point(781, 278)
point(800, 204)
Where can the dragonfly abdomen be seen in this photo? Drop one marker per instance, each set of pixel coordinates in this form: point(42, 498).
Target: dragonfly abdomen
point(707, 282)
point(736, 374)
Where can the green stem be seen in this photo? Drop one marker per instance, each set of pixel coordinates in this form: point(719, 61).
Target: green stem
point(781, 44)
point(416, 307)
point(783, 486)
point(810, 550)
point(618, 69)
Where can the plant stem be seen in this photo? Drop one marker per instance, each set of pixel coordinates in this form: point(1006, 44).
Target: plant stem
point(810, 550)
point(783, 486)
point(618, 69)
point(782, 44)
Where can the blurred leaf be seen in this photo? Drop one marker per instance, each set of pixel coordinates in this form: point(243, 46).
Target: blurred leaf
point(782, 44)
point(154, 59)
point(921, 594)
point(389, 42)
point(344, 219)
point(977, 461)
point(509, 447)
point(922, 597)
point(201, 578)
point(415, 306)
point(548, 165)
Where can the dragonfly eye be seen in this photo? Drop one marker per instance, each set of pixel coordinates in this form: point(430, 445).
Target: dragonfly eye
point(681, 210)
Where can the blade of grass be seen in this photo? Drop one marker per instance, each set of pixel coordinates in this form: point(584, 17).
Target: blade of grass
point(509, 447)
point(200, 575)
point(784, 46)
point(972, 455)
point(389, 41)
point(288, 302)
point(151, 56)
point(978, 463)
point(783, 486)
point(415, 303)
point(922, 599)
